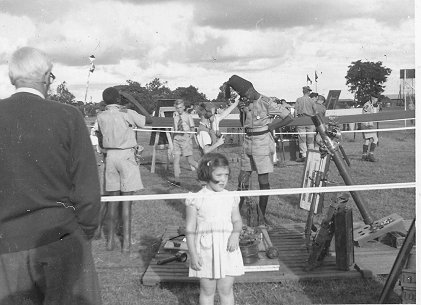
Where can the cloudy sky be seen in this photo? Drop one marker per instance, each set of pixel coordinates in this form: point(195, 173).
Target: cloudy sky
point(273, 43)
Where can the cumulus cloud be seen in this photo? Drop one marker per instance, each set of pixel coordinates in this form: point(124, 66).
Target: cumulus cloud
point(239, 14)
point(201, 43)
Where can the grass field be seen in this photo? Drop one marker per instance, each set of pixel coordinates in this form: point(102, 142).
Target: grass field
point(120, 275)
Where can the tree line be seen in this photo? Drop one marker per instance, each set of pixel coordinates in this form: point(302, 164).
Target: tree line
point(361, 78)
point(147, 95)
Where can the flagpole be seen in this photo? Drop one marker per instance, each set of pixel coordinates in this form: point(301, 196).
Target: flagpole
point(91, 69)
point(87, 84)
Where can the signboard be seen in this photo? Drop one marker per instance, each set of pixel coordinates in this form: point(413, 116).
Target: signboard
point(407, 73)
point(164, 108)
point(332, 98)
point(314, 163)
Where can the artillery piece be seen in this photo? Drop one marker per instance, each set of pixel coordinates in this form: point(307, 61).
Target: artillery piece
point(330, 144)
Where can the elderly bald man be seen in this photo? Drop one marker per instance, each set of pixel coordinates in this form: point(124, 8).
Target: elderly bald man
point(49, 195)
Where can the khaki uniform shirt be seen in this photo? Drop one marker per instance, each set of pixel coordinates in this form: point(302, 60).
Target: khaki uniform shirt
point(258, 115)
point(187, 124)
point(367, 109)
point(116, 124)
point(305, 106)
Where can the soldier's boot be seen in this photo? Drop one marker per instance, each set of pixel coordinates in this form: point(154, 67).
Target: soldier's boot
point(371, 153)
point(371, 158)
point(365, 155)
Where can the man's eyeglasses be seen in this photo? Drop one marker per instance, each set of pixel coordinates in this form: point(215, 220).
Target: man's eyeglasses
point(52, 77)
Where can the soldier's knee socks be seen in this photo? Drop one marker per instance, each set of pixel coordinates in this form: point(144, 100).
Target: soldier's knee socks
point(242, 187)
point(365, 149)
point(263, 200)
point(372, 147)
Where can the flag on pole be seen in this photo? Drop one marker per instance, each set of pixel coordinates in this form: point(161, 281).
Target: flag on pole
point(309, 80)
point(315, 76)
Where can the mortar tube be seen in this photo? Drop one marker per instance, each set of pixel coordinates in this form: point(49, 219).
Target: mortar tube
point(342, 168)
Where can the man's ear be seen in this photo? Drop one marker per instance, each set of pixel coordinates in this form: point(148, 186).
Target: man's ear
point(46, 78)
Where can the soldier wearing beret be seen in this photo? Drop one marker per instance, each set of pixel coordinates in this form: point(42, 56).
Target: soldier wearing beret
point(257, 113)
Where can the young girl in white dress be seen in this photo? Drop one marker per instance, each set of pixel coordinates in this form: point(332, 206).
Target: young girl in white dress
point(213, 226)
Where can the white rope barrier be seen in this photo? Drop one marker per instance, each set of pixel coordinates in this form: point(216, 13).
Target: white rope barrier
point(357, 131)
point(271, 192)
point(278, 133)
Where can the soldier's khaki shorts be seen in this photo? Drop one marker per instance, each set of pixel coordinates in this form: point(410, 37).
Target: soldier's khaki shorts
point(368, 135)
point(260, 164)
point(121, 171)
point(183, 145)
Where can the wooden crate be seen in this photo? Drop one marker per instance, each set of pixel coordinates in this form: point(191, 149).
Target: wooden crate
point(409, 295)
point(408, 278)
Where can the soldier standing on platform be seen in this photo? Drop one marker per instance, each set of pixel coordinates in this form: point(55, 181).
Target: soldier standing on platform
point(256, 114)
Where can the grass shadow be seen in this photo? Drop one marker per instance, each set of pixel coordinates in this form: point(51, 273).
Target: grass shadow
point(347, 291)
point(186, 293)
point(148, 247)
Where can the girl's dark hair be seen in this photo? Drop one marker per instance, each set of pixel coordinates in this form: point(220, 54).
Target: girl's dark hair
point(204, 110)
point(208, 163)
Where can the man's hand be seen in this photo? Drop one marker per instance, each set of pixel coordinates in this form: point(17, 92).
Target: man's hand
point(280, 123)
point(220, 140)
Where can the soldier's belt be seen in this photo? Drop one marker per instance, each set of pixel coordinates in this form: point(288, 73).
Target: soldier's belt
point(256, 131)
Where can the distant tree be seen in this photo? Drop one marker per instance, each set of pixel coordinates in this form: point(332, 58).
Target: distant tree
point(221, 95)
point(148, 95)
point(63, 95)
point(365, 77)
point(190, 95)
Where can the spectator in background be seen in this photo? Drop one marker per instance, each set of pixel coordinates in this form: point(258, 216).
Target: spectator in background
point(370, 138)
point(50, 195)
point(216, 118)
point(183, 145)
point(277, 132)
point(314, 96)
point(411, 106)
point(320, 105)
point(207, 138)
point(305, 106)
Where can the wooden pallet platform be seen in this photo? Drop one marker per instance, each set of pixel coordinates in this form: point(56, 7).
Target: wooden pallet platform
point(375, 258)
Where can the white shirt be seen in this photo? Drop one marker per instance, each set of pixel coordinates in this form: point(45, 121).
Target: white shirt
point(30, 90)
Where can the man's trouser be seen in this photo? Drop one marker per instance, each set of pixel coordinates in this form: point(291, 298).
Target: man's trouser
point(306, 138)
point(62, 272)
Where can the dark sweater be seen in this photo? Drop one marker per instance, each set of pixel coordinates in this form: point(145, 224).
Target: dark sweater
point(49, 184)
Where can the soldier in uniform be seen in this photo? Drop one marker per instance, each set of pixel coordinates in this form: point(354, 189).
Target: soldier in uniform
point(305, 106)
point(257, 113)
point(370, 138)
